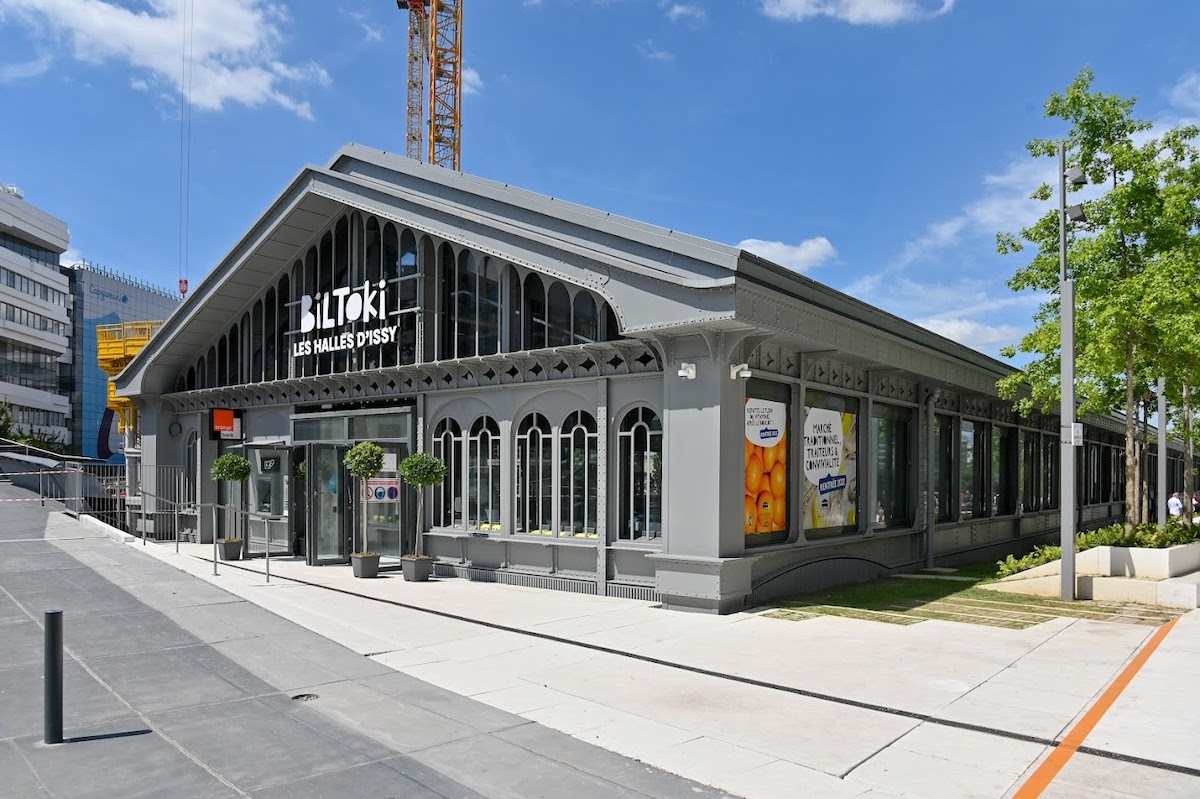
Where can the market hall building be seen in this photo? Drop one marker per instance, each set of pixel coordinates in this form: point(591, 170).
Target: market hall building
point(624, 410)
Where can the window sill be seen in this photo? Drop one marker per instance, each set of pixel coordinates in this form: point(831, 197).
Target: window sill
point(651, 545)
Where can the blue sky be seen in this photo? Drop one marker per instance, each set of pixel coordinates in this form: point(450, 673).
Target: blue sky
point(875, 145)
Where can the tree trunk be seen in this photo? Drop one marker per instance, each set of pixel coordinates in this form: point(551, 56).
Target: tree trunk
point(419, 547)
point(1146, 510)
point(1189, 455)
point(1132, 462)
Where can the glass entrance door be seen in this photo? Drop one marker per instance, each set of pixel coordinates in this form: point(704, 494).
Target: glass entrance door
point(330, 505)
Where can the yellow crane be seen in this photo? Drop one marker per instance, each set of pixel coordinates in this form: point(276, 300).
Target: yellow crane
point(115, 347)
point(434, 59)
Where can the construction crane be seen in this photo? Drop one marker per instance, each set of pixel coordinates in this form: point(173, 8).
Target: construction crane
point(434, 59)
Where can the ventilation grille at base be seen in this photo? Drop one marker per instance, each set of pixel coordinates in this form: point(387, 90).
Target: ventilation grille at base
point(642, 592)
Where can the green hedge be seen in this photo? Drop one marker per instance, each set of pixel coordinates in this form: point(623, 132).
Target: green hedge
point(1149, 536)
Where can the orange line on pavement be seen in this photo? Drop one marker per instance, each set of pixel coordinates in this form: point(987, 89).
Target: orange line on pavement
point(1041, 779)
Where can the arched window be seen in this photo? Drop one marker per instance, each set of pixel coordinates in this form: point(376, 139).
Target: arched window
point(282, 344)
point(612, 328)
point(390, 255)
point(559, 304)
point(235, 349)
point(447, 281)
point(222, 362)
point(579, 472)
point(466, 306)
point(586, 326)
point(535, 476)
point(256, 343)
point(514, 326)
point(341, 279)
point(639, 476)
point(409, 297)
point(447, 497)
point(535, 313)
point(269, 335)
point(489, 307)
point(190, 383)
point(483, 475)
point(324, 286)
point(191, 471)
point(210, 372)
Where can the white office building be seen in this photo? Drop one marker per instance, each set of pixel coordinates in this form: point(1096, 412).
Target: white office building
point(34, 323)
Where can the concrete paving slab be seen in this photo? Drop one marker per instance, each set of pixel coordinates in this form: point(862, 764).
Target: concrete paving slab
point(197, 676)
point(481, 646)
point(523, 698)
point(447, 704)
point(1029, 711)
point(634, 736)
point(576, 716)
point(18, 780)
point(122, 634)
point(283, 670)
point(22, 642)
point(395, 724)
point(501, 769)
point(221, 736)
point(1090, 776)
point(85, 702)
point(710, 761)
point(84, 769)
point(403, 658)
point(781, 779)
point(365, 782)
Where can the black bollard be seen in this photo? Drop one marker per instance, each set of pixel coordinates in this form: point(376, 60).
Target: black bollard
point(52, 705)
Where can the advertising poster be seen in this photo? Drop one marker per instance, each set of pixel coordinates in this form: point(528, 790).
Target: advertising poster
point(830, 468)
point(766, 467)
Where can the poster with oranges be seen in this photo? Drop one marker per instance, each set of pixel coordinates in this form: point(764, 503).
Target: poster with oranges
point(766, 467)
point(830, 468)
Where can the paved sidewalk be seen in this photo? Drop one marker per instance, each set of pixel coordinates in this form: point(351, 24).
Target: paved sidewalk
point(177, 688)
point(765, 708)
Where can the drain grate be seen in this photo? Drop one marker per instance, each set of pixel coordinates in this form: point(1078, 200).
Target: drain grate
point(304, 697)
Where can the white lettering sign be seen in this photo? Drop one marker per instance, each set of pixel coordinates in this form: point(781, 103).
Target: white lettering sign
point(342, 306)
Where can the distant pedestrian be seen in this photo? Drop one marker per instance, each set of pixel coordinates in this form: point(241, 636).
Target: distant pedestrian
point(1175, 505)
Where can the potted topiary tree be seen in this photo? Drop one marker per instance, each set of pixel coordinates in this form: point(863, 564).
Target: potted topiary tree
point(233, 468)
point(364, 460)
point(421, 471)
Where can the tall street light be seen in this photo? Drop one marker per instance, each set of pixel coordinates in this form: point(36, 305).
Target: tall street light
point(1071, 434)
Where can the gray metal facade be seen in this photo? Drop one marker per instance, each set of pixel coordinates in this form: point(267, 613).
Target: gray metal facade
point(671, 300)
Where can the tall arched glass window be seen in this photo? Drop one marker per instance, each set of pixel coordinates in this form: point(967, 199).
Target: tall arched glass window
point(409, 297)
point(325, 285)
point(579, 471)
point(466, 306)
point(447, 497)
point(235, 351)
point(535, 313)
point(341, 279)
point(586, 325)
point(489, 307)
point(191, 470)
point(372, 356)
point(483, 475)
point(447, 281)
point(256, 343)
point(612, 328)
point(639, 476)
point(513, 319)
point(222, 362)
point(558, 301)
point(534, 476)
point(190, 383)
point(210, 372)
point(282, 344)
point(390, 257)
point(269, 335)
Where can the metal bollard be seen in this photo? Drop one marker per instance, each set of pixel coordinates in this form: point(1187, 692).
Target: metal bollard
point(52, 705)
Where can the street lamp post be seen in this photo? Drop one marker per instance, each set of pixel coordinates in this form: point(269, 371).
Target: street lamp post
point(1071, 434)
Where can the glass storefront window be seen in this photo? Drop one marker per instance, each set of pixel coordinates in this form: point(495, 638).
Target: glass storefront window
point(328, 428)
point(766, 477)
point(1004, 466)
point(943, 467)
point(890, 432)
point(830, 462)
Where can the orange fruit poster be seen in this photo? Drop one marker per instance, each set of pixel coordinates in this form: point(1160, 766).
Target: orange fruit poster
point(766, 472)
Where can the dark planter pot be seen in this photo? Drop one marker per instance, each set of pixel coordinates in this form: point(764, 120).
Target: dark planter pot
point(417, 570)
point(365, 565)
point(230, 549)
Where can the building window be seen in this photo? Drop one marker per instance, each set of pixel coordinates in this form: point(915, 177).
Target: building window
point(943, 468)
point(830, 464)
point(408, 285)
point(559, 322)
point(639, 478)
point(579, 472)
point(534, 313)
point(483, 475)
point(191, 471)
point(447, 497)
point(1004, 470)
point(1049, 472)
point(767, 437)
point(1030, 468)
point(535, 476)
point(489, 307)
point(891, 427)
point(586, 326)
point(971, 464)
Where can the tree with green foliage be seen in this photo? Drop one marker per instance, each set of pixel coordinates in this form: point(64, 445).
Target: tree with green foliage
point(1139, 219)
point(421, 471)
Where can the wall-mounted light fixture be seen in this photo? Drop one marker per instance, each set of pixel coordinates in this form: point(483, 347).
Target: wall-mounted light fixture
point(741, 370)
point(687, 371)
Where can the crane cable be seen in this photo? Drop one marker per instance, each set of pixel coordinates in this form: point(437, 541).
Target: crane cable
point(185, 141)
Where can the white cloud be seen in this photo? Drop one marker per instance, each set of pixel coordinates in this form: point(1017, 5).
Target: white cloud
point(973, 334)
point(371, 32)
point(682, 11)
point(472, 83)
point(857, 12)
point(235, 45)
point(138, 85)
point(650, 51)
point(1185, 94)
point(801, 257)
point(11, 73)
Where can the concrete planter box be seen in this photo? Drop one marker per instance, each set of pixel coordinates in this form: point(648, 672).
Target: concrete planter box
point(416, 570)
point(1146, 564)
